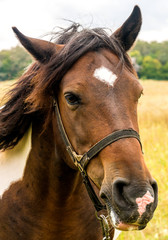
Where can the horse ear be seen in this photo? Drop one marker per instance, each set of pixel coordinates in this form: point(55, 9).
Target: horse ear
point(128, 32)
point(41, 50)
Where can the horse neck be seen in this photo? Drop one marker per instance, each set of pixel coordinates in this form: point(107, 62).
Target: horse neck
point(45, 167)
point(51, 194)
point(57, 188)
point(47, 175)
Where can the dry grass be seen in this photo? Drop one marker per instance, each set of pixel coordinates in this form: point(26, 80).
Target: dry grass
point(4, 87)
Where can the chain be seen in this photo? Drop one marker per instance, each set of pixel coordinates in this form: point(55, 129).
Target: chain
point(105, 226)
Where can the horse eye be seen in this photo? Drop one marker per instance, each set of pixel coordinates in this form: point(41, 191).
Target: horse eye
point(72, 99)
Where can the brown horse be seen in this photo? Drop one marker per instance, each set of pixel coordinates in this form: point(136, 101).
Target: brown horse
point(80, 100)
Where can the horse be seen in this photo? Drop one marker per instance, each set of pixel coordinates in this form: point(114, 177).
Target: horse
point(77, 106)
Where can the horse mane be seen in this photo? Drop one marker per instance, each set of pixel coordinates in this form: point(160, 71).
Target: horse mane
point(13, 118)
point(33, 92)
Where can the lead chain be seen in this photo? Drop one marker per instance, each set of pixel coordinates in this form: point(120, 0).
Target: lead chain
point(105, 226)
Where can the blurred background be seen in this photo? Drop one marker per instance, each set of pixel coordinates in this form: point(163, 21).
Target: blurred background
point(36, 18)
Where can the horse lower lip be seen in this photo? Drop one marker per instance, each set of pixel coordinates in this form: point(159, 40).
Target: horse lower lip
point(127, 227)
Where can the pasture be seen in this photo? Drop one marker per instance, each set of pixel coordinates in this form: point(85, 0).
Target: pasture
point(153, 123)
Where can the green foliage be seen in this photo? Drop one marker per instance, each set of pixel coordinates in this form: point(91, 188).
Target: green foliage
point(13, 62)
point(150, 67)
point(152, 59)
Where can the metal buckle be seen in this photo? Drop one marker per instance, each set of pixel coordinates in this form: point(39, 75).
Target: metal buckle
point(76, 158)
point(105, 226)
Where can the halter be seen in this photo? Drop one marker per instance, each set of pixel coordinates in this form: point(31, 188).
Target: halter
point(81, 161)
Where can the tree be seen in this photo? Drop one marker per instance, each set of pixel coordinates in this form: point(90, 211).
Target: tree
point(13, 62)
point(137, 54)
point(152, 58)
point(150, 68)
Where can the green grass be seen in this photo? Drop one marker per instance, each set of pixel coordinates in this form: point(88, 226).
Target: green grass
point(153, 123)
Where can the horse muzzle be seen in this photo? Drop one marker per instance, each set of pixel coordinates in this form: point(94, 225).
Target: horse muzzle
point(130, 207)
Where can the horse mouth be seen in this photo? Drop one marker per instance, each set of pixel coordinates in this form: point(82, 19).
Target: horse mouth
point(128, 227)
point(119, 224)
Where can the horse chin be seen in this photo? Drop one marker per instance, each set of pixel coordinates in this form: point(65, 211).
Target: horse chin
point(119, 224)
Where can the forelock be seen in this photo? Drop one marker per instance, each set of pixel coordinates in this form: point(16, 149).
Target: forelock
point(78, 41)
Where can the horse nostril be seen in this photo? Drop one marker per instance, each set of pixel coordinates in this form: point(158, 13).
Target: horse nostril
point(155, 188)
point(124, 195)
point(119, 192)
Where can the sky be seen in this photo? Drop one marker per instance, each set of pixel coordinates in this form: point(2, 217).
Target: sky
point(35, 18)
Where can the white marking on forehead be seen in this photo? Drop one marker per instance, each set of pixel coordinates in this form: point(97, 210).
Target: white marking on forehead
point(105, 75)
point(143, 202)
point(13, 162)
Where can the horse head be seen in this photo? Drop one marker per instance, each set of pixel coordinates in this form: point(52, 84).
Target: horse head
point(97, 94)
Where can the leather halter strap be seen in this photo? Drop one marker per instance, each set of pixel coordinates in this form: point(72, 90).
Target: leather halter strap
point(81, 161)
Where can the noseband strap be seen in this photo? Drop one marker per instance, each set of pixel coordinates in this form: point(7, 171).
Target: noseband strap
point(111, 138)
point(81, 161)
